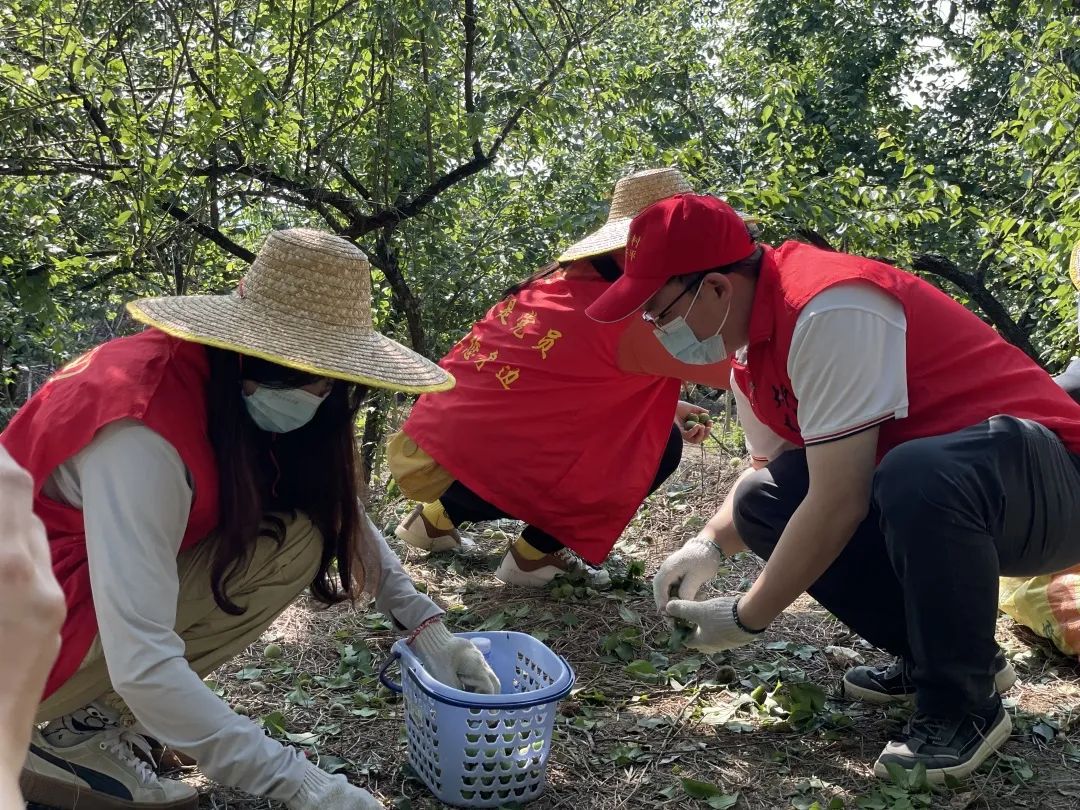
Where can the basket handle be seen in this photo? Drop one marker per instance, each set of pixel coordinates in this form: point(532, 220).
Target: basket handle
point(384, 679)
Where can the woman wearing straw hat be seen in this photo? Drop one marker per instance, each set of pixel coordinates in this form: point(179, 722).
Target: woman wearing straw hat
point(193, 479)
point(555, 420)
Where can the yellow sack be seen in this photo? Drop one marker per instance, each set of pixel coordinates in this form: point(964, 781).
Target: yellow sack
point(1049, 605)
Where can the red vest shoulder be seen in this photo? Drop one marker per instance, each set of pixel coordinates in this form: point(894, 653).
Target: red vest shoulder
point(959, 370)
point(150, 377)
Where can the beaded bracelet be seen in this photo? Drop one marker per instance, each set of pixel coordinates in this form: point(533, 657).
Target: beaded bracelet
point(738, 621)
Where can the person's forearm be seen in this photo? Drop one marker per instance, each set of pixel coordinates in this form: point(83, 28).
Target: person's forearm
point(9, 785)
point(31, 615)
point(15, 721)
point(811, 542)
point(397, 597)
point(175, 707)
point(13, 737)
point(720, 529)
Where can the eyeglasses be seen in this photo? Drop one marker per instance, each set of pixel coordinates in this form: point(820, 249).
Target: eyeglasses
point(694, 282)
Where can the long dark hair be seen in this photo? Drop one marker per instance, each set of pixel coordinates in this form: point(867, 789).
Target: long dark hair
point(604, 264)
point(314, 469)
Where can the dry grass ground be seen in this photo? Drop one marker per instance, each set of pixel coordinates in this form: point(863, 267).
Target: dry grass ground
point(626, 741)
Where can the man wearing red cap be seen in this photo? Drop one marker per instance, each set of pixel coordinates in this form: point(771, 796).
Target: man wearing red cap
point(908, 456)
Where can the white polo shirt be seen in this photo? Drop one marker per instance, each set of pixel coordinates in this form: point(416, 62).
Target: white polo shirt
point(848, 369)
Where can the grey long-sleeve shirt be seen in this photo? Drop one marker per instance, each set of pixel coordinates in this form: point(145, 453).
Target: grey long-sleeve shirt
point(135, 494)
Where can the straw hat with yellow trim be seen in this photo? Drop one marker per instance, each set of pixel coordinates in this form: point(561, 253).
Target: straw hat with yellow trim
point(632, 195)
point(304, 303)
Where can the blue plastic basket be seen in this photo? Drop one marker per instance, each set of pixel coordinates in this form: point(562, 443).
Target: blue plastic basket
point(476, 750)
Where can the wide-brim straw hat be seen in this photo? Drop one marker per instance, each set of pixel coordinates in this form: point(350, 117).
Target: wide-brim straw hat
point(632, 194)
point(304, 303)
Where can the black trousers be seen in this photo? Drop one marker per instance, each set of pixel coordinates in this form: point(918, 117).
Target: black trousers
point(463, 505)
point(949, 514)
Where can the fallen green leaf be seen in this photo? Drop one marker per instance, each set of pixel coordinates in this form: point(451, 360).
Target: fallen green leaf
point(300, 698)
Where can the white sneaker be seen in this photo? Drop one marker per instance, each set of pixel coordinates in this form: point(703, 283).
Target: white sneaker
point(101, 773)
point(417, 531)
point(516, 569)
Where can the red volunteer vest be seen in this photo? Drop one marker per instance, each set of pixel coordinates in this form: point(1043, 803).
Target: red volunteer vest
point(151, 377)
point(542, 422)
point(959, 370)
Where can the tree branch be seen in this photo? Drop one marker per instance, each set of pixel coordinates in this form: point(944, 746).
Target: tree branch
point(534, 94)
point(968, 282)
point(814, 238)
point(351, 179)
point(469, 23)
point(56, 168)
point(217, 237)
point(183, 35)
point(315, 196)
point(109, 275)
point(395, 214)
point(386, 259)
point(391, 215)
point(333, 15)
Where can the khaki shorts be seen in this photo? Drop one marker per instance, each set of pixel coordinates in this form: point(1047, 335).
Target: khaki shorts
point(418, 475)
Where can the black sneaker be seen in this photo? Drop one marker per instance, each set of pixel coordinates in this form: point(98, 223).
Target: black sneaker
point(947, 747)
point(892, 684)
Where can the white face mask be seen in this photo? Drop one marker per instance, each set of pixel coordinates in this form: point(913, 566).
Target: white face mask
point(280, 410)
point(679, 339)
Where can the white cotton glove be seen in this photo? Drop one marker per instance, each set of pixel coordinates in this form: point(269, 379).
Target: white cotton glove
point(454, 661)
point(321, 791)
point(688, 568)
point(717, 623)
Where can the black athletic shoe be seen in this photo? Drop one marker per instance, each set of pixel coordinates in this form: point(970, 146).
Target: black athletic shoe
point(947, 747)
point(892, 684)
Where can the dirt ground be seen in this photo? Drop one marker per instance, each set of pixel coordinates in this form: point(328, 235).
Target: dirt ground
point(628, 738)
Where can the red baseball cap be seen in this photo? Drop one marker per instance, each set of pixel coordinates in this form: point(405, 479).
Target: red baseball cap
point(676, 236)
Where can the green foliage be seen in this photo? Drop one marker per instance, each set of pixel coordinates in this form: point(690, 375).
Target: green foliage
point(709, 793)
point(939, 136)
point(908, 790)
point(146, 149)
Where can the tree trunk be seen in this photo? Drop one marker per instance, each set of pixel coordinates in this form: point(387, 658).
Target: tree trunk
point(402, 297)
point(372, 439)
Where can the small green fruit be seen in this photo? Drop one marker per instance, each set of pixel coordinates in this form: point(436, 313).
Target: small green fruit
point(272, 651)
point(690, 420)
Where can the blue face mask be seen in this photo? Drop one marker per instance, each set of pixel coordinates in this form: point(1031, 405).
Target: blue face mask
point(281, 410)
point(681, 343)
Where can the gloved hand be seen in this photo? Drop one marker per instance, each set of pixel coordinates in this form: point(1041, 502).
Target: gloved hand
point(321, 791)
point(717, 621)
point(454, 661)
point(689, 568)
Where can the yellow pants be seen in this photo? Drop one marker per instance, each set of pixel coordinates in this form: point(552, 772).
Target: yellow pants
point(267, 585)
point(418, 475)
